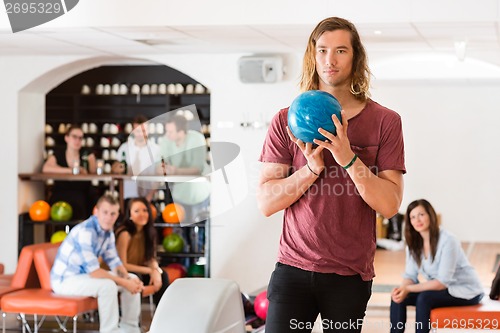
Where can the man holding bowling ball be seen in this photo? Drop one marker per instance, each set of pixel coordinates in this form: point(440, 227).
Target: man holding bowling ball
point(330, 190)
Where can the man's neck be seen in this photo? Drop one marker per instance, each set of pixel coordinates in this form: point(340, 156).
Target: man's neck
point(180, 141)
point(140, 143)
point(349, 103)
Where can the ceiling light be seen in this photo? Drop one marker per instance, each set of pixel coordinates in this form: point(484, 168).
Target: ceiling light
point(377, 32)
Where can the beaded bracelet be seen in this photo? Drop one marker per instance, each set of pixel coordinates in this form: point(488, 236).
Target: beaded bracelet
point(350, 163)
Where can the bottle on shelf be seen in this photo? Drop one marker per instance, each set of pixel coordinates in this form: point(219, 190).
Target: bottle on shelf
point(124, 162)
point(85, 161)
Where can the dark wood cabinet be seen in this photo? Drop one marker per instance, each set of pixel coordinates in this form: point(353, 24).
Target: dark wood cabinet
point(77, 108)
point(66, 104)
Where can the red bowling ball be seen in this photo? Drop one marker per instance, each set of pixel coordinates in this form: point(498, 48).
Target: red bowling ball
point(261, 304)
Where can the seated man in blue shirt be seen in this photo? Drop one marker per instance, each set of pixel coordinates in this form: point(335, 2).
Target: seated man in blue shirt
point(76, 270)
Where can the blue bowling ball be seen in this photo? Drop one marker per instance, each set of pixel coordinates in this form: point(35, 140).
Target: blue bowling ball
point(311, 110)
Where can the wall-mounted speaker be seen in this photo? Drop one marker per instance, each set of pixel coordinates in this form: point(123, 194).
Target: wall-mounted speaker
point(260, 69)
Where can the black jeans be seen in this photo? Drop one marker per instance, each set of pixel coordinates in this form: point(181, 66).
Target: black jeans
point(424, 302)
point(296, 297)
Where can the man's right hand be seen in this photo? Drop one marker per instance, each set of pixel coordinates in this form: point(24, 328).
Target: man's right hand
point(314, 156)
point(118, 168)
point(134, 285)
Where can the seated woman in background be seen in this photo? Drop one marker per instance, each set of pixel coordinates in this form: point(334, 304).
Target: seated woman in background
point(136, 244)
point(438, 257)
point(79, 194)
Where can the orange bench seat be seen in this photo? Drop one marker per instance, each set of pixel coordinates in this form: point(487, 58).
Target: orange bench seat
point(484, 316)
point(42, 301)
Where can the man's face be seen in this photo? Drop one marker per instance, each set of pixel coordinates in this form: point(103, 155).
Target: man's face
point(171, 131)
point(140, 131)
point(334, 57)
point(107, 215)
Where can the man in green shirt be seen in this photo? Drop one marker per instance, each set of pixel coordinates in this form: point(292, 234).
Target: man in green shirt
point(185, 154)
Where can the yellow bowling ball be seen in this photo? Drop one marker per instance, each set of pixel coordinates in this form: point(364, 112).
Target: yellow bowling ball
point(58, 237)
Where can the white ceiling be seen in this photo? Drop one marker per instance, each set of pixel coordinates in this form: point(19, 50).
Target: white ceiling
point(482, 39)
point(392, 39)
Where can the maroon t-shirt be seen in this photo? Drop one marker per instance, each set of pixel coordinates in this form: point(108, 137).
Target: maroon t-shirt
point(331, 229)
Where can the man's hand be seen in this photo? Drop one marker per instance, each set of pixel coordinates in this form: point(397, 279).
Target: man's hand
point(118, 168)
point(339, 144)
point(171, 170)
point(133, 284)
point(314, 156)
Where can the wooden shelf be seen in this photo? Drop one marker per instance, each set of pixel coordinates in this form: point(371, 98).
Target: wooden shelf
point(68, 177)
point(183, 225)
point(181, 254)
point(52, 222)
point(110, 177)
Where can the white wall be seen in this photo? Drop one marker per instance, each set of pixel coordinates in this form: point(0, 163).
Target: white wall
point(20, 136)
point(450, 130)
point(244, 243)
point(451, 137)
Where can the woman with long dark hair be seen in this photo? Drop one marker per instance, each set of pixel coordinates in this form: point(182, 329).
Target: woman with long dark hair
point(136, 241)
point(71, 160)
point(436, 255)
